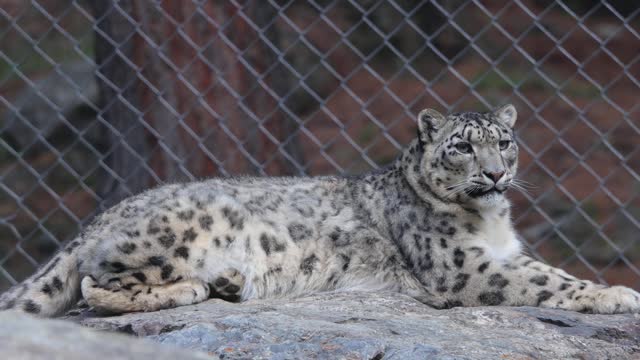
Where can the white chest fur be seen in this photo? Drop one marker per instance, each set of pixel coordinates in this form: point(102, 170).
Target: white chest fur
point(497, 236)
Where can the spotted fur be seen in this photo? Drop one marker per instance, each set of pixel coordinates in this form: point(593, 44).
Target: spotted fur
point(434, 225)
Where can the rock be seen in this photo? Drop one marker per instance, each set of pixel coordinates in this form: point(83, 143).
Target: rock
point(70, 91)
point(26, 337)
point(379, 326)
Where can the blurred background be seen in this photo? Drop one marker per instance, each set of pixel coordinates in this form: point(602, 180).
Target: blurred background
point(102, 99)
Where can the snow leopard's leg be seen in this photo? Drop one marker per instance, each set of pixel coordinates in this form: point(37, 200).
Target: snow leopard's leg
point(407, 284)
point(146, 289)
point(383, 265)
point(143, 297)
point(525, 281)
point(227, 285)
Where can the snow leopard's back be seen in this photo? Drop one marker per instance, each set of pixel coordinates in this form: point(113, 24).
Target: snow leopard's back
point(237, 238)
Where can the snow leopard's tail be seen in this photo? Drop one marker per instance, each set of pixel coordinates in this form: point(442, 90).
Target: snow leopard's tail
point(51, 290)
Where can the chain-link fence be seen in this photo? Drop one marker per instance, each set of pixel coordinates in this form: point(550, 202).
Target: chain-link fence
point(101, 99)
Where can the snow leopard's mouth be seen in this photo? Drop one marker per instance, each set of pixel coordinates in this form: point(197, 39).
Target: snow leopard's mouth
point(476, 193)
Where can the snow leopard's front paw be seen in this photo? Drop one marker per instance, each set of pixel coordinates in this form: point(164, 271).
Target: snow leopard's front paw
point(612, 300)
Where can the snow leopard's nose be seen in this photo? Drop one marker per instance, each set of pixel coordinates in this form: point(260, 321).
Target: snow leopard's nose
point(494, 176)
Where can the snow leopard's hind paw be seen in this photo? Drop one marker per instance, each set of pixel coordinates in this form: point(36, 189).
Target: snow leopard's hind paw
point(228, 286)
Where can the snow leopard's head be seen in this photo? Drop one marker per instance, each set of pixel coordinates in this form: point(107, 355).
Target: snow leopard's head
point(469, 157)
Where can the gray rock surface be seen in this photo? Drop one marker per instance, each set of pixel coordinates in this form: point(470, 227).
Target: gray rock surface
point(25, 337)
point(66, 89)
point(379, 326)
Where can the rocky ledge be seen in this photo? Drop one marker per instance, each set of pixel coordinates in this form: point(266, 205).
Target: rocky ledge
point(24, 337)
point(356, 326)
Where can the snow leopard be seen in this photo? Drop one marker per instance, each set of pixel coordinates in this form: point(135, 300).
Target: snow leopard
point(435, 225)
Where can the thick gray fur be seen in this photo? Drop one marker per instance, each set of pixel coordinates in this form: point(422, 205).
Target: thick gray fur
point(434, 225)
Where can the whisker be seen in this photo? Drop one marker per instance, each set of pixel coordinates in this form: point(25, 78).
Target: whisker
point(472, 188)
point(451, 187)
point(515, 183)
point(456, 189)
point(521, 189)
point(524, 183)
point(455, 192)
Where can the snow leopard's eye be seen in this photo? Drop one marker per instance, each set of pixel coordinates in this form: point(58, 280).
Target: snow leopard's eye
point(504, 144)
point(464, 147)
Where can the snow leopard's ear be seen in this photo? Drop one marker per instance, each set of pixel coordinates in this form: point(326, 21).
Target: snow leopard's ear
point(506, 114)
point(429, 122)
